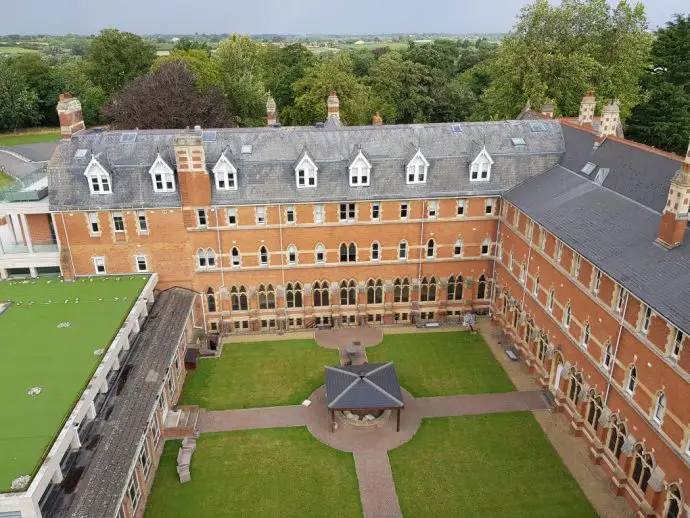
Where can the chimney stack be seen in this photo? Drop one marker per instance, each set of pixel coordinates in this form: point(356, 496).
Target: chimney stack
point(587, 108)
point(377, 120)
point(548, 109)
point(674, 219)
point(610, 118)
point(271, 111)
point(69, 113)
point(333, 104)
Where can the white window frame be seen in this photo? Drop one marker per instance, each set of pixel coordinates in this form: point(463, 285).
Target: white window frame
point(290, 210)
point(596, 285)
point(456, 245)
point(375, 251)
point(586, 335)
point(417, 169)
point(260, 215)
point(99, 261)
point(646, 320)
point(306, 173)
point(263, 263)
point(607, 360)
point(577, 259)
point(677, 344)
point(319, 249)
point(430, 246)
point(551, 300)
point(404, 207)
point(620, 299)
point(141, 215)
point(480, 168)
point(567, 316)
point(489, 207)
point(350, 212)
point(659, 408)
point(98, 178)
point(629, 379)
point(319, 214)
point(432, 209)
point(201, 214)
point(134, 485)
point(145, 460)
point(232, 213)
point(235, 258)
point(403, 250)
point(121, 217)
point(225, 174)
point(535, 288)
point(292, 255)
point(93, 220)
point(376, 211)
point(460, 208)
point(360, 171)
point(162, 176)
point(141, 258)
point(487, 243)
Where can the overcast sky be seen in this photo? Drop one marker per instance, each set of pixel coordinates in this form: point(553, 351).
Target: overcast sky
point(277, 16)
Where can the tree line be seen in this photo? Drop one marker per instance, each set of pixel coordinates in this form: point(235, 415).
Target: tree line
point(554, 53)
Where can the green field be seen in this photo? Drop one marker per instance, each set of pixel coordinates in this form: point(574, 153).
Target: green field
point(442, 364)
point(259, 374)
point(257, 473)
point(485, 465)
point(8, 139)
point(15, 50)
point(34, 352)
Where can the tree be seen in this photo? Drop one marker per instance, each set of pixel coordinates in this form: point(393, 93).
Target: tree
point(18, 103)
point(283, 67)
point(168, 97)
point(38, 76)
point(187, 44)
point(559, 52)
point(198, 61)
point(118, 57)
point(239, 61)
point(72, 76)
point(663, 118)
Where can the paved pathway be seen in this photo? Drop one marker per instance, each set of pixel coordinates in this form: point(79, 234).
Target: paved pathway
point(370, 446)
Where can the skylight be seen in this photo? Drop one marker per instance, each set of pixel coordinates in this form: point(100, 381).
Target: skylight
point(588, 168)
point(128, 138)
point(601, 175)
point(246, 149)
point(537, 127)
point(456, 128)
point(81, 153)
point(518, 141)
point(208, 136)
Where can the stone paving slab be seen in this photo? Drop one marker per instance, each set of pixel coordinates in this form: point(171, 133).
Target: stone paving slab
point(376, 486)
point(249, 418)
point(345, 336)
point(471, 404)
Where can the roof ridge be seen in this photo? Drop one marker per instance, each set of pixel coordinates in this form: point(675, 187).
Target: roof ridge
point(345, 391)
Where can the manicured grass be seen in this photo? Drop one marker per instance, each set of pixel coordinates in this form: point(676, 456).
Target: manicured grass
point(440, 364)
point(259, 374)
point(487, 465)
point(273, 472)
point(29, 138)
point(35, 353)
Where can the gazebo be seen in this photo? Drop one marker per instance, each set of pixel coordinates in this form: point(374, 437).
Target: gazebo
point(370, 387)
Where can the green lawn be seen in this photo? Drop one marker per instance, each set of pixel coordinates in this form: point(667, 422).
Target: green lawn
point(273, 472)
point(259, 374)
point(440, 364)
point(35, 353)
point(7, 139)
point(487, 465)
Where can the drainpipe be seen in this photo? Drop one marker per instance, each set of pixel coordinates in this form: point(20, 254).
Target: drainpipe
point(222, 273)
point(69, 248)
point(615, 350)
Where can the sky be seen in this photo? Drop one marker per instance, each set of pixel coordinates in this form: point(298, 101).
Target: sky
point(278, 16)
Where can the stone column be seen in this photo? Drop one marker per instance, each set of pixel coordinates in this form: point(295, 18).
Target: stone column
point(27, 232)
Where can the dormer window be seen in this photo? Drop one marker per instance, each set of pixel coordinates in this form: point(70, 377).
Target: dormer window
point(417, 169)
point(480, 168)
point(305, 172)
point(360, 171)
point(98, 177)
point(225, 174)
point(162, 176)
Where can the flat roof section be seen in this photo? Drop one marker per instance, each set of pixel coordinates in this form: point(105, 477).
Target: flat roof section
point(49, 336)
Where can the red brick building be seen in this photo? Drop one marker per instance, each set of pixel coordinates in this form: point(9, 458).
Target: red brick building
point(557, 226)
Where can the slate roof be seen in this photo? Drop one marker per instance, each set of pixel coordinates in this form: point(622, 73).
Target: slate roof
point(368, 386)
point(104, 481)
point(615, 233)
point(266, 175)
point(636, 173)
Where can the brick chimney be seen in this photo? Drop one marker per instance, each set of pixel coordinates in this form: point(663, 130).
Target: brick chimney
point(548, 109)
point(377, 120)
point(674, 220)
point(587, 106)
point(192, 176)
point(333, 104)
point(69, 113)
point(271, 111)
point(610, 118)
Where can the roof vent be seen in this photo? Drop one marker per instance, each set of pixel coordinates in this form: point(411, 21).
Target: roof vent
point(456, 128)
point(81, 153)
point(601, 175)
point(517, 141)
point(128, 138)
point(588, 168)
point(246, 149)
point(209, 136)
point(197, 128)
point(537, 127)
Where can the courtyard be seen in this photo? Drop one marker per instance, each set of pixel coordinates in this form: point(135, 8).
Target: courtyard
point(51, 332)
point(468, 445)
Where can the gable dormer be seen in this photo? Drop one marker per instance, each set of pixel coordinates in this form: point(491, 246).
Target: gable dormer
point(162, 176)
point(480, 168)
point(225, 174)
point(417, 168)
point(360, 171)
point(305, 172)
point(98, 177)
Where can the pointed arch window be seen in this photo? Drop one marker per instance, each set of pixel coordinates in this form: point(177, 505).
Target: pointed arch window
point(595, 407)
point(320, 294)
point(481, 287)
point(375, 291)
point(348, 253)
point(642, 468)
point(535, 289)
point(267, 297)
point(360, 171)
point(162, 176)
point(631, 381)
point(674, 501)
point(617, 434)
point(428, 290)
point(238, 298)
point(585, 336)
point(455, 288)
point(575, 387)
point(225, 174)
point(201, 258)
point(211, 258)
point(480, 168)
point(608, 356)
point(210, 300)
point(235, 257)
point(98, 178)
point(417, 169)
point(567, 314)
point(292, 254)
point(457, 248)
point(348, 293)
point(430, 248)
point(550, 300)
point(375, 251)
point(659, 408)
point(293, 295)
point(263, 256)
point(401, 290)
